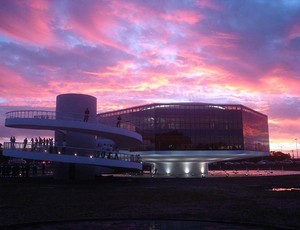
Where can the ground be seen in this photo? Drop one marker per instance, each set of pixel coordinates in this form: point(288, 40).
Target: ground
point(248, 201)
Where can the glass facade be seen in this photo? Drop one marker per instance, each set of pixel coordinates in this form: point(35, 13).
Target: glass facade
point(255, 130)
point(193, 126)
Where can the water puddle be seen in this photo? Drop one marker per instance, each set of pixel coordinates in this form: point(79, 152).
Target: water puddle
point(283, 189)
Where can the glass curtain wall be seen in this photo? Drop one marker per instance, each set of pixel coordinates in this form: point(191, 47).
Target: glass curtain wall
point(198, 127)
point(255, 131)
point(193, 126)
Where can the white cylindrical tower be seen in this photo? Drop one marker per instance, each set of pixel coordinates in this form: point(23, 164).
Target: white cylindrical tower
point(79, 108)
point(74, 107)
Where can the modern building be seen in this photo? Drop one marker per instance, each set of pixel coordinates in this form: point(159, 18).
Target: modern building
point(178, 139)
point(81, 147)
point(183, 138)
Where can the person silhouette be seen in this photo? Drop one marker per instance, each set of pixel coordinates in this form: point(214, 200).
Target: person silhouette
point(119, 121)
point(25, 143)
point(86, 115)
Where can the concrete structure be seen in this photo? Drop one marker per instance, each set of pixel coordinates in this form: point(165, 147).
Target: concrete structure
point(75, 152)
point(74, 106)
point(178, 139)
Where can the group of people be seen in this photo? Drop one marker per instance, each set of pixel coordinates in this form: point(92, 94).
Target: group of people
point(108, 151)
point(16, 170)
point(12, 141)
point(39, 142)
point(103, 150)
point(35, 143)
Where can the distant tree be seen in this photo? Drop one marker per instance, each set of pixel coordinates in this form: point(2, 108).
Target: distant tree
point(279, 156)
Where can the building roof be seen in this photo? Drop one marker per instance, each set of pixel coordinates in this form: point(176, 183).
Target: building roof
point(179, 104)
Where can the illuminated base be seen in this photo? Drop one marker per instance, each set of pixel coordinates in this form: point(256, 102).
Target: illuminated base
point(183, 169)
point(186, 163)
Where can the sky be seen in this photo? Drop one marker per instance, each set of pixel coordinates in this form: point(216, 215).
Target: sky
point(130, 53)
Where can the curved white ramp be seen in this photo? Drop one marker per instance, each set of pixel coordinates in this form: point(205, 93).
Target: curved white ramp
point(123, 138)
point(48, 120)
point(111, 163)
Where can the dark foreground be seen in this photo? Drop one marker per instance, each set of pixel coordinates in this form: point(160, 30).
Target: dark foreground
point(245, 201)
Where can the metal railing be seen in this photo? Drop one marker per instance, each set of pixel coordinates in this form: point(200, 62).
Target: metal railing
point(53, 115)
point(42, 114)
point(69, 150)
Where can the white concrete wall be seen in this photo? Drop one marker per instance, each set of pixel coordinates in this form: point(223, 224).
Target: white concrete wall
point(73, 106)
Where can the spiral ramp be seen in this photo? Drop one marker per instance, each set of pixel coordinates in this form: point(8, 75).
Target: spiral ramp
point(122, 137)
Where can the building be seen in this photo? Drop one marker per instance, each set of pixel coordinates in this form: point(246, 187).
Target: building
point(178, 139)
point(181, 139)
point(82, 147)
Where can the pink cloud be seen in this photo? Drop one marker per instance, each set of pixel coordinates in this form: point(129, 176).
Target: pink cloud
point(27, 21)
point(295, 30)
point(13, 86)
point(17, 91)
point(284, 132)
point(183, 16)
point(280, 85)
point(95, 24)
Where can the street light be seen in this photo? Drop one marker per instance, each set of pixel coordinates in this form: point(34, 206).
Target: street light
point(296, 146)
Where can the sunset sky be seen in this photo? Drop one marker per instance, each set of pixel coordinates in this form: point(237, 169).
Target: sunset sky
point(129, 53)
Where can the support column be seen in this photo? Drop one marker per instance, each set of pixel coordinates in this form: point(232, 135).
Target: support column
point(74, 107)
